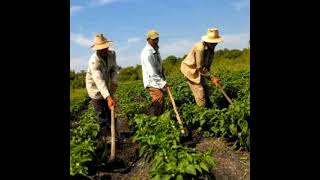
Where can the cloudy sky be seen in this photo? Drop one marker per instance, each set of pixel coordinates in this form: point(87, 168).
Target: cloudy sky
point(181, 23)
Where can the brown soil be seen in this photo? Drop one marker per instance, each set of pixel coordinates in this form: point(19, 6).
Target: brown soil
point(231, 164)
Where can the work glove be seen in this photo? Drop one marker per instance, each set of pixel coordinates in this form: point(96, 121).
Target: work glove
point(111, 102)
point(215, 82)
point(166, 86)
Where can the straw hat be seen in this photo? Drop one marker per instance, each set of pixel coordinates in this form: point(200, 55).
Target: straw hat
point(100, 42)
point(212, 36)
point(152, 34)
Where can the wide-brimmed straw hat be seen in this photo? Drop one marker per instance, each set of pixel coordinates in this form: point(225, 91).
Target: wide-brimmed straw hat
point(212, 36)
point(100, 42)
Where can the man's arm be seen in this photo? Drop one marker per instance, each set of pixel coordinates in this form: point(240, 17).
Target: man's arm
point(97, 76)
point(152, 69)
point(199, 56)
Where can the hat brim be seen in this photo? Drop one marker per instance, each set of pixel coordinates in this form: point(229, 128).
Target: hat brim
point(154, 37)
point(101, 46)
point(215, 40)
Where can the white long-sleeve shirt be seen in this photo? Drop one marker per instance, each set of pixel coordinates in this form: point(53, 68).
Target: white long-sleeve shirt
point(99, 75)
point(152, 68)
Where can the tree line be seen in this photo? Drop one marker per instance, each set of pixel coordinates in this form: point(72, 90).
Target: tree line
point(171, 66)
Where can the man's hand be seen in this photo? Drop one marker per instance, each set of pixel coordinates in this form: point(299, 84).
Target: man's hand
point(166, 86)
point(111, 102)
point(215, 82)
point(113, 87)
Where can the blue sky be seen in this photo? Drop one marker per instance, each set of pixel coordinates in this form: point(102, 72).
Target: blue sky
point(181, 23)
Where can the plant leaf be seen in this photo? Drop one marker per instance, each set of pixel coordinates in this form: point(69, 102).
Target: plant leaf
point(197, 167)
point(202, 122)
point(157, 177)
point(142, 150)
point(190, 170)
point(179, 177)
point(166, 177)
point(189, 157)
point(233, 129)
point(204, 166)
point(244, 126)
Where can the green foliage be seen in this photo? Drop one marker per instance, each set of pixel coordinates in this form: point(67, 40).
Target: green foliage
point(237, 62)
point(223, 120)
point(164, 127)
point(171, 66)
point(130, 73)
point(180, 91)
point(229, 121)
point(235, 59)
point(229, 54)
point(181, 162)
point(133, 99)
point(82, 143)
point(159, 138)
point(77, 80)
point(78, 101)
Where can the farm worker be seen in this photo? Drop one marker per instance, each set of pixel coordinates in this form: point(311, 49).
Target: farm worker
point(152, 72)
point(196, 67)
point(101, 82)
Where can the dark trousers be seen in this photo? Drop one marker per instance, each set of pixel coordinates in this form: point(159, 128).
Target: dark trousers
point(207, 95)
point(103, 116)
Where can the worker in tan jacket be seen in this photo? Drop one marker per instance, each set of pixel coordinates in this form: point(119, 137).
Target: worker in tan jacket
point(196, 67)
point(101, 82)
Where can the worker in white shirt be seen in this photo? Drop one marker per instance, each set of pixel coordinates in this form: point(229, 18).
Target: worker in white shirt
point(152, 72)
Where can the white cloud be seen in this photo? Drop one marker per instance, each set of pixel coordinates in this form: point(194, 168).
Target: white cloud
point(80, 40)
point(134, 40)
point(182, 47)
point(128, 45)
point(79, 63)
point(177, 48)
point(128, 53)
point(103, 2)
point(238, 5)
point(130, 59)
point(75, 8)
point(235, 41)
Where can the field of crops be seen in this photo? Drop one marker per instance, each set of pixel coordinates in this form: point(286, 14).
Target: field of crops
point(78, 102)
point(159, 138)
point(229, 121)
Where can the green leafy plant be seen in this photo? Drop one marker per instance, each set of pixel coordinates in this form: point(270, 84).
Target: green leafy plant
point(160, 138)
point(78, 101)
point(82, 143)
